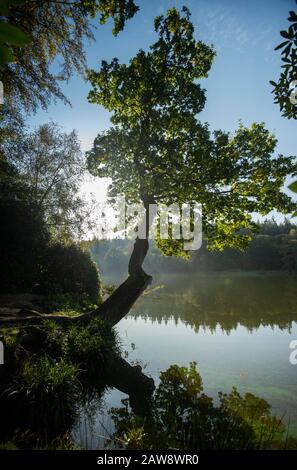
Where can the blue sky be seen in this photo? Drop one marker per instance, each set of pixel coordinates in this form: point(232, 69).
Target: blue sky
point(244, 34)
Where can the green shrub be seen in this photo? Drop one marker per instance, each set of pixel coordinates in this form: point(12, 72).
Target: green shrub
point(68, 269)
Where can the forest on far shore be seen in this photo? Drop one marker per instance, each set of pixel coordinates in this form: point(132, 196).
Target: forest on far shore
point(274, 248)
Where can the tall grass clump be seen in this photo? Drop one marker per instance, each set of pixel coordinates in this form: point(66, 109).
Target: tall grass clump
point(43, 396)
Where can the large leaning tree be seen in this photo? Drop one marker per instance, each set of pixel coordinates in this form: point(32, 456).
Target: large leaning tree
point(157, 151)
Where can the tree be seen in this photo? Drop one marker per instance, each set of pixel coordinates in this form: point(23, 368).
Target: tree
point(285, 89)
point(50, 164)
point(55, 29)
point(29, 259)
point(23, 235)
point(158, 151)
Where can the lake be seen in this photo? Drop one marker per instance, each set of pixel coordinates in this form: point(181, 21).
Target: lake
point(236, 326)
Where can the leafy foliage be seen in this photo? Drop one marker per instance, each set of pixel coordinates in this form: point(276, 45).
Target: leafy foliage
point(68, 269)
point(158, 149)
point(50, 164)
point(272, 248)
point(9, 35)
point(119, 10)
point(283, 89)
point(23, 238)
point(28, 258)
point(181, 416)
point(90, 347)
point(69, 303)
point(55, 29)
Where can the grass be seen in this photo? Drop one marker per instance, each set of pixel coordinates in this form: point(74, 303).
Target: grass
point(42, 397)
point(90, 347)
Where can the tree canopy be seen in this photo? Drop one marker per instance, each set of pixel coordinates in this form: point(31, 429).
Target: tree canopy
point(158, 149)
point(52, 29)
point(50, 164)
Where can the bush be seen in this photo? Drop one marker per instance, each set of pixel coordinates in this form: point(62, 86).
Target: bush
point(68, 269)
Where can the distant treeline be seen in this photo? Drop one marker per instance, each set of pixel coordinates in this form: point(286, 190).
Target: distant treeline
point(274, 248)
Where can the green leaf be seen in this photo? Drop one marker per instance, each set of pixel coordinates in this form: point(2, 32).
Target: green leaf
point(285, 34)
point(12, 35)
point(287, 49)
point(293, 16)
point(5, 56)
point(294, 215)
point(281, 45)
point(273, 83)
point(293, 187)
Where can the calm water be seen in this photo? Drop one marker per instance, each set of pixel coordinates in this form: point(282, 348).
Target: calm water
point(237, 327)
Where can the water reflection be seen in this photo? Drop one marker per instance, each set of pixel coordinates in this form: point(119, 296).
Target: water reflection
point(236, 326)
point(225, 300)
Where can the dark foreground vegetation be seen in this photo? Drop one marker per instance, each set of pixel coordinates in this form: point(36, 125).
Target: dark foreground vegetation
point(43, 385)
point(41, 401)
